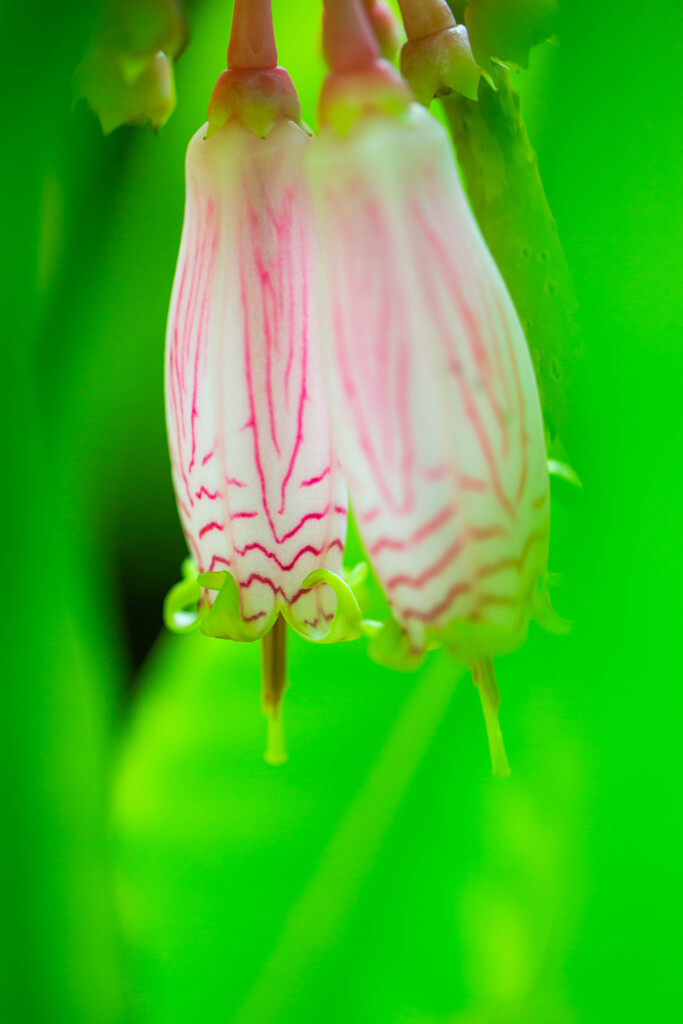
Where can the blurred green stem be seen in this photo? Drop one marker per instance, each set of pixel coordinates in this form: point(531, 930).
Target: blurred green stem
point(509, 202)
point(318, 916)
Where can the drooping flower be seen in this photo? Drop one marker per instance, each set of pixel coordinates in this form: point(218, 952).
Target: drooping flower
point(435, 406)
point(261, 498)
point(437, 58)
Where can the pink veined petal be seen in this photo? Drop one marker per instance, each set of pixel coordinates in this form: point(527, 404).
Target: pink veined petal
point(258, 488)
point(435, 406)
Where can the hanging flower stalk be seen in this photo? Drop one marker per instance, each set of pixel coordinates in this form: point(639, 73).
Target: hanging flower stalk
point(261, 498)
point(434, 401)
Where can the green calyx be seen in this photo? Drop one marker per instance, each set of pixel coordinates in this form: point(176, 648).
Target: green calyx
point(440, 64)
point(346, 98)
point(255, 97)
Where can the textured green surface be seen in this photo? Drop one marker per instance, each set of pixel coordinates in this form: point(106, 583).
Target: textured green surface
point(381, 875)
point(507, 195)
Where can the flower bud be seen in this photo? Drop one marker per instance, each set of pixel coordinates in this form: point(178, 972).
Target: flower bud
point(437, 58)
point(126, 76)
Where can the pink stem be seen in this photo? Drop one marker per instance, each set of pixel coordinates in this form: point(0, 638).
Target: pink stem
point(348, 38)
point(423, 18)
point(252, 41)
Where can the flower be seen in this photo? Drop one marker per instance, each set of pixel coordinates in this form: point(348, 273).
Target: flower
point(261, 498)
point(436, 412)
point(257, 484)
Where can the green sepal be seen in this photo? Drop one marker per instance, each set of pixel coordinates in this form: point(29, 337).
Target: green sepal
point(347, 621)
point(543, 611)
point(441, 63)
point(356, 576)
point(181, 604)
point(224, 620)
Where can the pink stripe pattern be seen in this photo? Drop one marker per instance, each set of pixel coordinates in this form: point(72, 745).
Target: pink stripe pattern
point(435, 407)
point(259, 489)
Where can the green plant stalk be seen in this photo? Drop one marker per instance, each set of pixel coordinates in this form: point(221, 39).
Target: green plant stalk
point(322, 910)
point(509, 202)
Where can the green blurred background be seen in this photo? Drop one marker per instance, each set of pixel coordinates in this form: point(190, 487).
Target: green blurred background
point(154, 869)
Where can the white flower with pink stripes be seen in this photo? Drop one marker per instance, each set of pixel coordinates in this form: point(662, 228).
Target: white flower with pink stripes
point(335, 303)
point(436, 411)
point(262, 501)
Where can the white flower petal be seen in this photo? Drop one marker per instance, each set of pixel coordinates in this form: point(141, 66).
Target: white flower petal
point(435, 407)
point(258, 487)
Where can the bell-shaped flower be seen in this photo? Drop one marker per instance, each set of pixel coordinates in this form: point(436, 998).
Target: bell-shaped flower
point(257, 484)
point(262, 501)
point(436, 412)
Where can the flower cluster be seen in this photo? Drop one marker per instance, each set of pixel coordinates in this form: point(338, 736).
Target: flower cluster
point(336, 323)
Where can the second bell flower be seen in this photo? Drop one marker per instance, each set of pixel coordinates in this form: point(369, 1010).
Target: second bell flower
point(434, 400)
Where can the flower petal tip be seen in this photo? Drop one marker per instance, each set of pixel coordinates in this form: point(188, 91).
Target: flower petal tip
point(223, 620)
point(347, 621)
point(181, 604)
point(564, 471)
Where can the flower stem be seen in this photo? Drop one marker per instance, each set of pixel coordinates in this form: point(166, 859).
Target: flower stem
point(273, 685)
point(507, 196)
point(484, 679)
point(320, 917)
point(348, 40)
point(252, 41)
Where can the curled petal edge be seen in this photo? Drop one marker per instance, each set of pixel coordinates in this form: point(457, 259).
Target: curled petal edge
point(223, 620)
point(347, 621)
point(466, 641)
point(181, 604)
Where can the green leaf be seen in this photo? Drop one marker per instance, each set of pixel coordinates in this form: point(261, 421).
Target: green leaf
point(506, 30)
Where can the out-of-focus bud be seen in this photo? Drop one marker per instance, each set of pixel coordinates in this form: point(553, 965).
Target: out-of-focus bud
point(437, 58)
point(126, 76)
point(386, 27)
